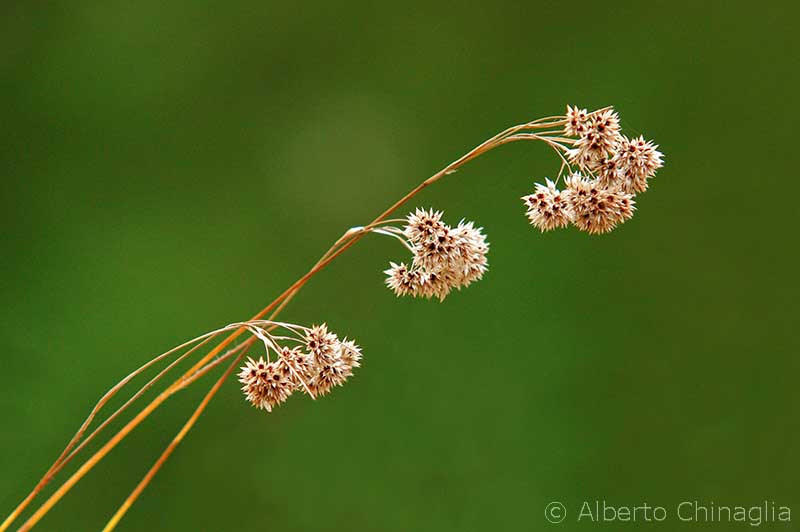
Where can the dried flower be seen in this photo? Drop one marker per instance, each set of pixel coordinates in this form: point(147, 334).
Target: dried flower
point(597, 141)
point(297, 366)
point(350, 354)
point(321, 344)
point(607, 174)
point(436, 284)
point(596, 209)
point(402, 280)
point(335, 369)
point(437, 251)
point(328, 362)
point(469, 263)
point(424, 225)
point(613, 169)
point(265, 385)
point(604, 129)
point(547, 207)
point(444, 258)
point(333, 373)
point(636, 161)
point(577, 122)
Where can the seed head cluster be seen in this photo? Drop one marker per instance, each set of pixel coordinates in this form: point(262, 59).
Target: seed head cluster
point(319, 363)
point(596, 209)
point(612, 169)
point(548, 208)
point(444, 257)
point(606, 170)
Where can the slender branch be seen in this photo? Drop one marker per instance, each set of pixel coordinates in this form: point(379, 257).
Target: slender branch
point(394, 235)
point(112, 523)
point(66, 455)
point(347, 240)
point(133, 398)
point(220, 359)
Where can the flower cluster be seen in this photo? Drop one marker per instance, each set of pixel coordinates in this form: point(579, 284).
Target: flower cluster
point(596, 209)
point(319, 362)
point(612, 169)
point(444, 257)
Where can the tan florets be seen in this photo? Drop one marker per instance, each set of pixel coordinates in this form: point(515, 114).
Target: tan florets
point(335, 369)
point(298, 365)
point(604, 127)
point(444, 257)
point(612, 167)
point(334, 359)
point(436, 251)
point(403, 280)
point(598, 141)
point(547, 207)
point(597, 198)
point(597, 210)
point(350, 354)
point(265, 385)
point(424, 225)
point(469, 262)
point(326, 362)
point(321, 343)
point(577, 122)
point(636, 161)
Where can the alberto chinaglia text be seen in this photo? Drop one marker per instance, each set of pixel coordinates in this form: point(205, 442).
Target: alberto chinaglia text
point(600, 511)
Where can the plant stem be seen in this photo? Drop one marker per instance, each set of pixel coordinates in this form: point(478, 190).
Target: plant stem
point(66, 455)
point(171, 447)
point(349, 239)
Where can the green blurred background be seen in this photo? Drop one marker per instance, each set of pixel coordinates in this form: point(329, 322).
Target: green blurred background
point(170, 167)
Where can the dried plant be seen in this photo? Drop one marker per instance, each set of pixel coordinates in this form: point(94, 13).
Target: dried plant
point(443, 257)
point(611, 169)
point(602, 171)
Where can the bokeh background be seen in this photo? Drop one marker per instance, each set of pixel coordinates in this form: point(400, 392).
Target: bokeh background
point(170, 167)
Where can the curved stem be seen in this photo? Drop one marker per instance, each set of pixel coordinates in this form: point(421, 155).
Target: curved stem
point(394, 235)
point(220, 359)
point(171, 447)
point(133, 398)
point(73, 448)
point(349, 239)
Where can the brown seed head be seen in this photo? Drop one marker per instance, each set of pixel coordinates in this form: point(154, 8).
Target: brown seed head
point(424, 225)
point(637, 161)
point(444, 258)
point(265, 385)
point(597, 209)
point(577, 122)
point(547, 207)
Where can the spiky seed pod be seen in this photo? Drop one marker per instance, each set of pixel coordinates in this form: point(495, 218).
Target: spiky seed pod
point(328, 375)
point(436, 251)
point(636, 161)
point(424, 225)
point(596, 209)
point(402, 280)
point(335, 370)
point(436, 284)
point(597, 142)
point(604, 129)
point(547, 207)
point(444, 258)
point(265, 385)
point(297, 366)
point(577, 122)
point(350, 354)
point(471, 249)
point(329, 362)
point(321, 343)
point(607, 173)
